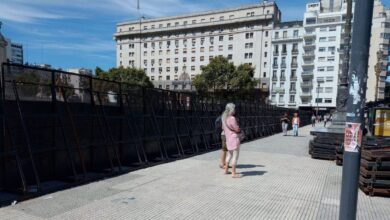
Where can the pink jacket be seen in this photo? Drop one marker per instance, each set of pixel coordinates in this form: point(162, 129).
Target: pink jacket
point(230, 127)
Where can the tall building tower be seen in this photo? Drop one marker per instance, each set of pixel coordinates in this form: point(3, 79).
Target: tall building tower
point(14, 52)
point(287, 50)
point(379, 53)
point(323, 24)
point(172, 50)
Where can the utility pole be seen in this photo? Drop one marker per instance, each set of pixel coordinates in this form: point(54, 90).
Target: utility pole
point(355, 107)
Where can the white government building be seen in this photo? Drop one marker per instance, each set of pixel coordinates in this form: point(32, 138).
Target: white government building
point(298, 62)
point(173, 49)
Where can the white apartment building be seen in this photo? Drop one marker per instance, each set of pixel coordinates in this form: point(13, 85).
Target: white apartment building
point(323, 24)
point(77, 82)
point(14, 52)
point(172, 50)
point(286, 75)
point(380, 36)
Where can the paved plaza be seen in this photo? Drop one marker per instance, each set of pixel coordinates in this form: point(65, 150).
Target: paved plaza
point(280, 181)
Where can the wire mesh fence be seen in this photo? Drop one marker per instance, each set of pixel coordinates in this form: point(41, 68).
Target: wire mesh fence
point(60, 128)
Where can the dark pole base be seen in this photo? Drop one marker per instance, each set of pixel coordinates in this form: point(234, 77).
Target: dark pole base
point(349, 196)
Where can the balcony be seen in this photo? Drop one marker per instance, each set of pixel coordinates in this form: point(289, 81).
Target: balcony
point(307, 74)
point(284, 52)
point(275, 66)
point(309, 45)
point(278, 90)
point(276, 53)
point(274, 78)
point(308, 63)
point(306, 94)
point(292, 103)
point(309, 35)
point(294, 52)
point(306, 84)
point(282, 78)
point(294, 65)
point(308, 54)
point(293, 78)
point(283, 65)
point(293, 91)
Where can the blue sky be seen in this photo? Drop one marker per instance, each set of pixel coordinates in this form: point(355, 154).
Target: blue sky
point(78, 33)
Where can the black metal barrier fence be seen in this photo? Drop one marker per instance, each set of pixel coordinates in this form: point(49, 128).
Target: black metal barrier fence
point(60, 129)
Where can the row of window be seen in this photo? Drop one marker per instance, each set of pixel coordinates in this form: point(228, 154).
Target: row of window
point(185, 41)
point(194, 21)
point(160, 78)
point(292, 99)
point(284, 34)
point(325, 39)
point(294, 61)
point(284, 48)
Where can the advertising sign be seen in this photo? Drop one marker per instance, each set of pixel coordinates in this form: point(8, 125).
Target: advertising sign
point(352, 137)
point(382, 122)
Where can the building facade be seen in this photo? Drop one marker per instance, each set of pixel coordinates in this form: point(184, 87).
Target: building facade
point(379, 53)
point(286, 74)
point(14, 52)
point(323, 24)
point(78, 82)
point(172, 50)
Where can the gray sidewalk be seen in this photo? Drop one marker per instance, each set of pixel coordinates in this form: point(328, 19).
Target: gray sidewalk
point(280, 181)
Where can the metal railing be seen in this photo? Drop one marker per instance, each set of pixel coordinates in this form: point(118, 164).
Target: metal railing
point(71, 129)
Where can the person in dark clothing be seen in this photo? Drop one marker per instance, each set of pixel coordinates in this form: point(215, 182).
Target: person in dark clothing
point(285, 121)
point(219, 131)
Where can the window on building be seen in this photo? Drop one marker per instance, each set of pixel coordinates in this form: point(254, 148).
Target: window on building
point(185, 23)
point(168, 60)
point(328, 89)
point(328, 100)
point(184, 50)
point(176, 51)
point(230, 47)
point(321, 69)
point(329, 79)
point(322, 39)
point(331, 49)
point(230, 56)
point(266, 33)
point(192, 68)
point(321, 59)
point(184, 59)
point(231, 16)
point(284, 49)
point(331, 58)
point(202, 58)
point(284, 34)
point(321, 49)
point(211, 40)
point(211, 48)
point(296, 33)
point(168, 77)
point(202, 49)
point(249, 35)
point(220, 48)
point(276, 35)
point(248, 55)
point(230, 37)
point(220, 38)
point(193, 21)
point(332, 28)
point(318, 100)
point(332, 38)
point(145, 45)
point(192, 59)
point(281, 98)
point(292, 98)
point(323, 29)
point(320, 79)
point(131, 46)
point(330, 68)
point(265, 54)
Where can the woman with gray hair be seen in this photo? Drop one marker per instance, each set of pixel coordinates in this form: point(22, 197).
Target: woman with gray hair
point(231, 130)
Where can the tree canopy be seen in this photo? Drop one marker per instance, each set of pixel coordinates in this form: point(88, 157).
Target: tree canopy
point(222, 74)
point(128, 75)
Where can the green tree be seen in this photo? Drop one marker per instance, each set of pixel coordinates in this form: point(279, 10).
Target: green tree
point(242, 78)
point(222, 74)
point(216, 74)
point(128, 75)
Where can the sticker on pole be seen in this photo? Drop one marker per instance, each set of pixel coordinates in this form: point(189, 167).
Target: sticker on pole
point(352, 137)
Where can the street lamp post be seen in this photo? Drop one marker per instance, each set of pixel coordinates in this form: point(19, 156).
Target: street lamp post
point(378, 71)
point(318, 94)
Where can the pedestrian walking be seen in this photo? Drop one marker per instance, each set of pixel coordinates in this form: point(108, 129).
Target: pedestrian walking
point(219, 132)
point(313, 120)
point(232, 133)
point(285, 121)
point(295, 123)
point(325, 120)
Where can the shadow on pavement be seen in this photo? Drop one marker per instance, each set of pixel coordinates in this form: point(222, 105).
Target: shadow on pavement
point(253, 173)
point(246, 166)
